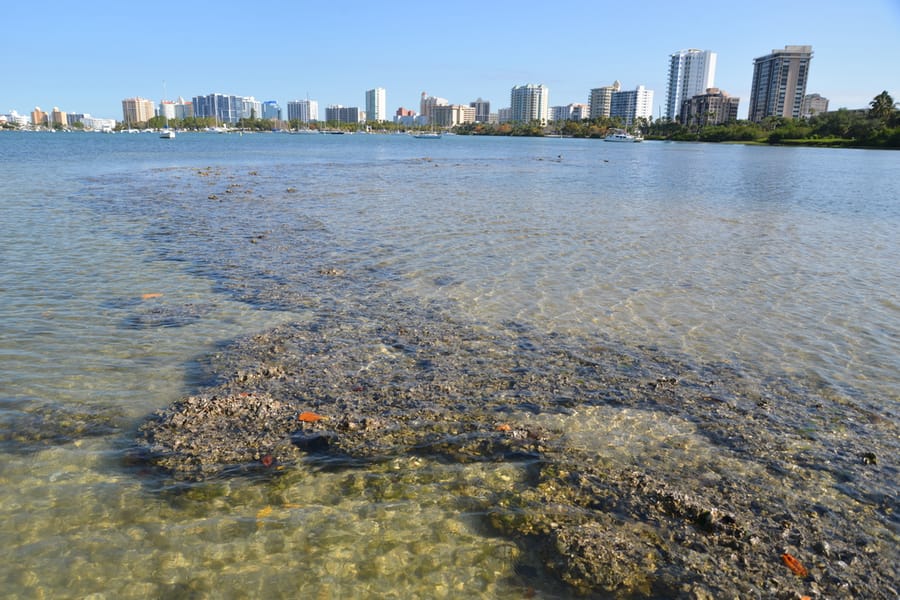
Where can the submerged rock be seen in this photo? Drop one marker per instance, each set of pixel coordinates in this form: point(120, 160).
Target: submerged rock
point(203, 435)
point(167, 315)
point(348, 393)
point(27, 426)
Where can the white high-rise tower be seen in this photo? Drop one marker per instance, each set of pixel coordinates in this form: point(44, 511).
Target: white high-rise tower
point(530, 103)
point(691, 73)
point(376, 100)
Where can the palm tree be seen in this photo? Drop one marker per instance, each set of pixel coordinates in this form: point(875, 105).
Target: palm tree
point(882, 107)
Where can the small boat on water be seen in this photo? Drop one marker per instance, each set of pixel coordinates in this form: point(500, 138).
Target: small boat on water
point(428, 135)
point(167, 134)
point(620, 135)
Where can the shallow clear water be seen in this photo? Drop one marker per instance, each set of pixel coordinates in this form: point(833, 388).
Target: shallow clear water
point(127, 260)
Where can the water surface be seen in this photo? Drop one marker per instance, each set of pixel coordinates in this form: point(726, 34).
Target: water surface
point(127, 261)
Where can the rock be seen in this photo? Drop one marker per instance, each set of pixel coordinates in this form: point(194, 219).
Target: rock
point(27, 426)
point(405, 384)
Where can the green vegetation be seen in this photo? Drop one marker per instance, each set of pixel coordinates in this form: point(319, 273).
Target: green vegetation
point(588, 128)
point(878, 127)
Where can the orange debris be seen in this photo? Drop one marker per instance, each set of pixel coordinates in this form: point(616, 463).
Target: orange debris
point(150, 295)
point(309, 417)
point(503, 427)
point(794, 565)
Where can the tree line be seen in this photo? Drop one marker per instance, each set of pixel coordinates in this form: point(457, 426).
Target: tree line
point(876, 127)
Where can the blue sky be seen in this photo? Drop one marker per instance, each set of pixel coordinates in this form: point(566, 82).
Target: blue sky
point(88, 56)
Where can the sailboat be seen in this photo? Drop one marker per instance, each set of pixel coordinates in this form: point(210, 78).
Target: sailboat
point(428, 135)
point(168, 134)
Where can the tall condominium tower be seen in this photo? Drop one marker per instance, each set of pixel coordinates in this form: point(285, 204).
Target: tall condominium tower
point(530, 103)
point(271, 110)
point(482, 110)
point(630, 105)
point(58, 116)
point(600, 100)
point(137, 110)
point(779, 83)
point(221, 107)
point(39, 117)
point(691, 73)
point(305, 111)
point(376, 101)
point(342, 114)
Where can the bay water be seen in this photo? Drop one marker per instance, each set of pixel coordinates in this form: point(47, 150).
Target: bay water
point(126, 261)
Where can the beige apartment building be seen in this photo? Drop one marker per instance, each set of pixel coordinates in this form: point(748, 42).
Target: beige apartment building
point(137, 110)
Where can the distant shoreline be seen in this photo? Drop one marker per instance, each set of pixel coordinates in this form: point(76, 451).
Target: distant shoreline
point(798, 143)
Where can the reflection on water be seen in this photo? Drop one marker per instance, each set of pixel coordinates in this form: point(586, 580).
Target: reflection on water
point(778, 264)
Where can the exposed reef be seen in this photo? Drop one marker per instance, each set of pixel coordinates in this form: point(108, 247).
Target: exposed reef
point(342, 393)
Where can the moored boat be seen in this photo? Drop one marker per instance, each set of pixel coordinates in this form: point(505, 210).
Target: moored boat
point(620, 135)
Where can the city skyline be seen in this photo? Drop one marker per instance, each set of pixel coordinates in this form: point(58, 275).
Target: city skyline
point(65, 66)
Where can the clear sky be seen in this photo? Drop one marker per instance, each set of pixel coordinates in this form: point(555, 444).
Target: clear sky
point(87, 56)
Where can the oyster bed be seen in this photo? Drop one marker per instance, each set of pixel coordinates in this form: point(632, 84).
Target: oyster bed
point(644, 474)
point(709, 518)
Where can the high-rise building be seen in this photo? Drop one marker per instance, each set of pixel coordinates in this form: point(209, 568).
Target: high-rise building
point(271, 111)
point(482, 110)
point(137, 110)
point(342, 114)
point(629, 105)
point(305, 111)
point(813, 104)
point(60, 117)
point(227, 109)
point(715, 107)
point(167, 109)
point(779, 83)
point(376, 104)
point(600, 100)
point(183, 110)
point(220, 107)
point(39, 117)
point(691, 73)
point(251, 108)
point(530, 103)
point(427, 103)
